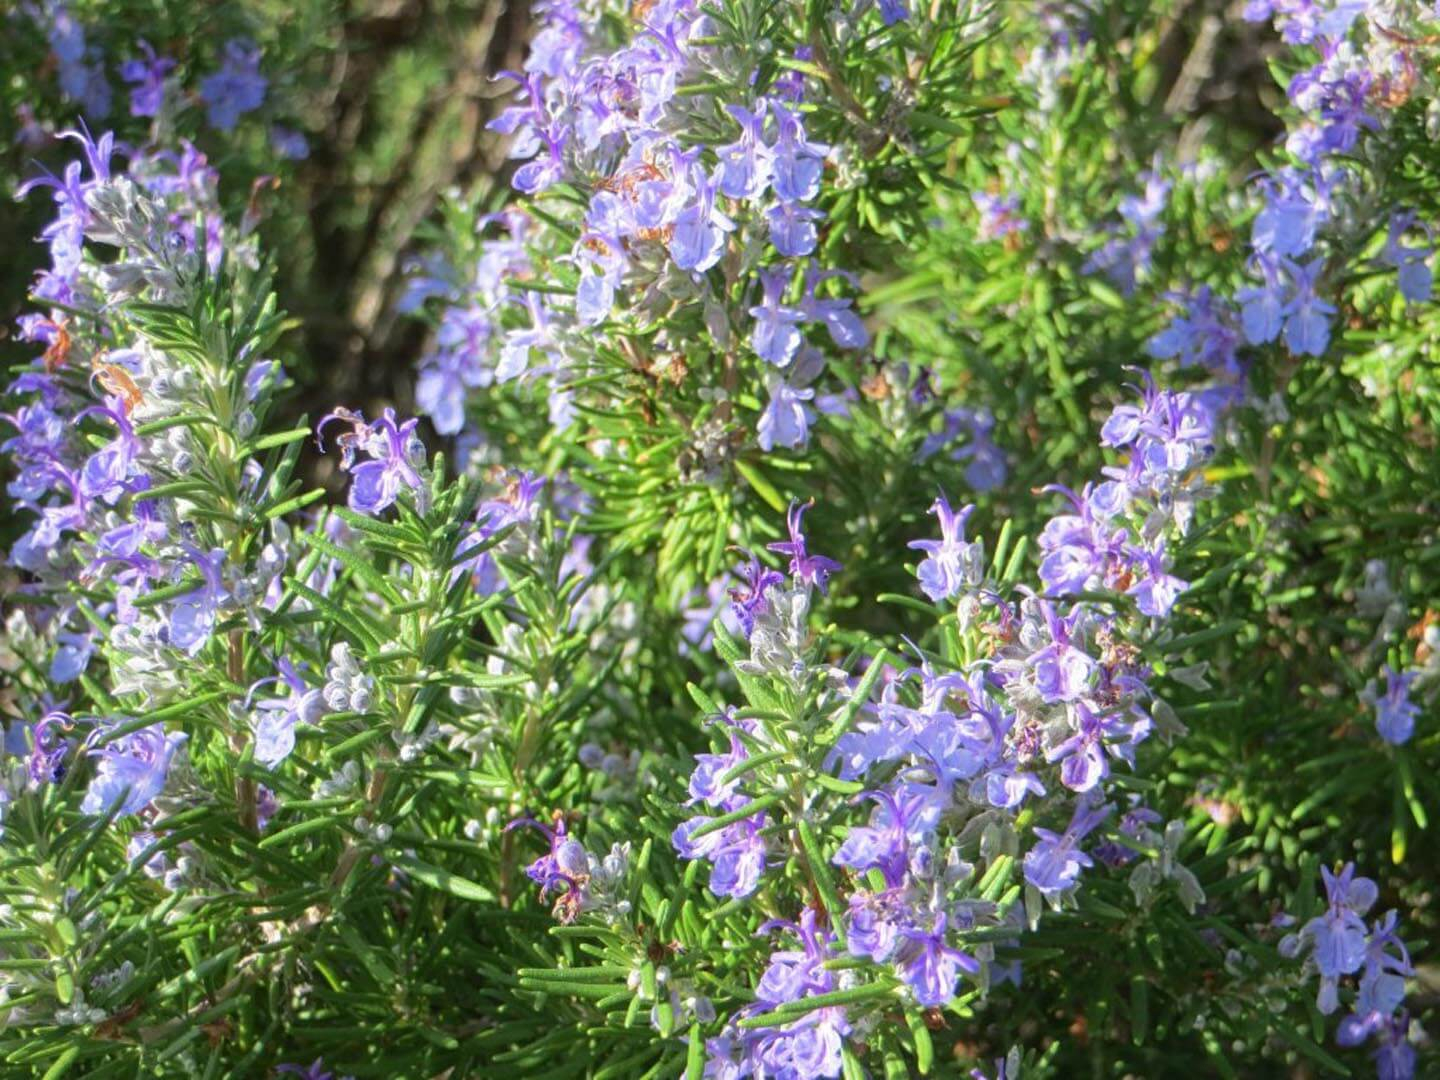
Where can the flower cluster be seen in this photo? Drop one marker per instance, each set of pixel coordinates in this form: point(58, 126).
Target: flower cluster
point(1168, 438)
point(1125, 258)
point(114, 487)
point(1339, 943)
point(232, 90)
point(719, 226)
point(1367, 65)
point(754, 256)
point(1063, 695)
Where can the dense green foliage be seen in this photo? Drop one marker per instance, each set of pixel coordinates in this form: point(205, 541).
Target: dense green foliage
point(480, 661)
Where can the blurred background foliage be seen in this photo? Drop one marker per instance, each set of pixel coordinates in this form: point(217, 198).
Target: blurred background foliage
point(392, 97)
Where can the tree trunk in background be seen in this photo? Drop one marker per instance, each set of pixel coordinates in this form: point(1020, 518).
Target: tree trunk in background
point(344, 278)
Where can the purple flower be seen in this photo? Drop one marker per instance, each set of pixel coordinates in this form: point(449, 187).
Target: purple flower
point(1133, 824)
point(999, 215)
point(72, 656)
point(396, 454)
point(1080, 548)
point(873, 923)
point(776, 335)
point(546, 170)
point(1412, 262)
point(950, 563)
point(515, 353)
point(698, 237)
point(1124, 258)
point(1307, 326)
point(1063, 672)
point(148, 76)
point(237, 88)
point(1084, 762)
point(289, 143)
point(1054, 864)
point(1394, 711)
point(1157, 591)
point(932, 968)
point(192, 617)
point(846, 329)
point(893, 11)
point(114, 469)
point(522, 121)
point(564, 869)
point(46, 763)
point(266, 806)
point(884, 844)
point(796, 162)
point(805, 568)
point(702, 608)
point(787, 418)
point(745, 164)
point(1262, 308)
point(748, 599)
point(517, 507)
point(1170, 432)
point(1296, 204)
point(1203, 335)
point(792, 228)
point(736, 852)
point(706, 784)
point(1387, 964)
point(807, 1049)
point(789, 84)
point(81, 68)
point(1394, 1058)
point(1006, 788)
point(455, 367)
point(1337, 938)
point(131, 770)
point(987, 468)
point(66, 234)
point(1345, 114)
point(276, 717)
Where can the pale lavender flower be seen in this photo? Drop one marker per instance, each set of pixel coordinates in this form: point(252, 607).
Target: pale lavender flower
point(192, 617)
point(130, 771)
point(1054, 864)
point(745, 164)
point(776, 336)
point(796, 162)
point(1307, 323)
point(276, 717)
point(951, 561)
